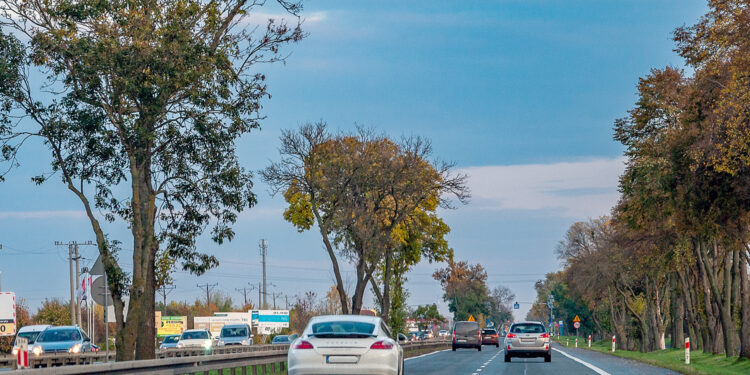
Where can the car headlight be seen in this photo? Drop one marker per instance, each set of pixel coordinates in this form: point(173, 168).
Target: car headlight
point(207, 344)
point(245, 342)
point(75, 349)
point(179, 345)
point(15, 351)
point(221, 342)
point(37, 350)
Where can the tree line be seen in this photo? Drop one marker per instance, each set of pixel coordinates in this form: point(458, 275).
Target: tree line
point(672, 259)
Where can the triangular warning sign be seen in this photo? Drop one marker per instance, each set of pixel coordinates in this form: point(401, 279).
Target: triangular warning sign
point(471, 318)
point(576, 319)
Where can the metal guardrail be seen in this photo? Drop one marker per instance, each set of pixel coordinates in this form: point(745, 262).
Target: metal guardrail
point(266, 359)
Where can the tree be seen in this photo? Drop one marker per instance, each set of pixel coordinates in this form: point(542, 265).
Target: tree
point(304, 309)
point(426, 315)
point(500, 299)
point(53, 312)
point(149, 99)
point(465, 287)
point(358, 188)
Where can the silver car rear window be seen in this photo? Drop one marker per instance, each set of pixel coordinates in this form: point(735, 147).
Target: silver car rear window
point(343, 328)
point(527, 328)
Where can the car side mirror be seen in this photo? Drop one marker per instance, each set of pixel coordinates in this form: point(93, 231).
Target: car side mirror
point(401, 337)
point(87, 339)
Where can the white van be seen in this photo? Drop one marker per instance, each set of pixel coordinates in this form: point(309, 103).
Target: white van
point(30, 333)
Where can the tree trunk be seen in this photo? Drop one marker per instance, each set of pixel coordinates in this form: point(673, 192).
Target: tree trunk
point(331, 254)
point(387, 276)
point(678, 315)
point(145, 245)
point(745, 296)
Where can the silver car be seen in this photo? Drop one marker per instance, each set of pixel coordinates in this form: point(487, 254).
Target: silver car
point(346, 344)
point(235, 334)
point(67, 339)
point(527, 339)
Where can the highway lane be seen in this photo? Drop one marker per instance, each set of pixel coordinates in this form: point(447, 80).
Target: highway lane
point(491, 361)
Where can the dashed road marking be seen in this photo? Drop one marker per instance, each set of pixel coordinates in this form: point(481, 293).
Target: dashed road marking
point(592, 367)
point(425, 355)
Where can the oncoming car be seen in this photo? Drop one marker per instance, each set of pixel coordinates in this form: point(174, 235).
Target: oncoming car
point(66, 339)
point(527, 339)
point(170, 342)
point(346, 344)
point(235, 334)
point(196, 338)
point(30, 333)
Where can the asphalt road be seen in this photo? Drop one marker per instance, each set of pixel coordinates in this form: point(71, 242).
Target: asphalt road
point(491, 361)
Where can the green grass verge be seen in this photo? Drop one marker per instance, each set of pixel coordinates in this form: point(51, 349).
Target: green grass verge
point(674, 359)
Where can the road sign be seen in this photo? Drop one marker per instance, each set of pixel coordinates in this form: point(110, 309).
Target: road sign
point(97, 292)
point(576, 319)
point(7, 314)
point(516, 306)
point(560, 323)
point(471, 318)
point(577, 325)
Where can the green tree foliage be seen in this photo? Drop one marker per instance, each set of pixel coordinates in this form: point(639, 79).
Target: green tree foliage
point(146, 103)
point(53, 311)
point(465, 287)
point(426, 315)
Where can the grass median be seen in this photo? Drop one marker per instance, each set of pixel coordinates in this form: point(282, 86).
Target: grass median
point(674, 359)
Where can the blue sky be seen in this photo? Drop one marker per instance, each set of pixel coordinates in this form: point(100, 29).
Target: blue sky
point(521, 94)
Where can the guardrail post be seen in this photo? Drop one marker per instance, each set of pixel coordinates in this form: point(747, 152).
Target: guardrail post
point(687, 350)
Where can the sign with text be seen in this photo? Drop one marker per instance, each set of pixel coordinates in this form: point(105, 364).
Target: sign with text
point(171, 325)
point(7, 314)
point(270, 321)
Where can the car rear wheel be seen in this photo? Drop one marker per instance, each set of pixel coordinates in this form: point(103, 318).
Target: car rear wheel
point(454, 348)
point(479, 348)
point(497, 345)
point(548, 358)
point(507, 358)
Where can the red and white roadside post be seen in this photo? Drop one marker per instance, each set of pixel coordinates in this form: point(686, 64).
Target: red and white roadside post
point(567, 341)
point(687, 350)
point(22, 357)
point(613, 344)
point(589, 341)
point(576, 342)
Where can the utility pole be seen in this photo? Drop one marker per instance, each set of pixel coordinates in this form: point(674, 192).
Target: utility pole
point(274, 295)
point(263, 252)
point(260, 293)
point(208, 287)
point(246, 290)
point(165, 290)
point(78, 282)
point(75, 313)
point(1, 274)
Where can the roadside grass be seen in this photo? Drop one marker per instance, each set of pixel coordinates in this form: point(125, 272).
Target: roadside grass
point(674, 359)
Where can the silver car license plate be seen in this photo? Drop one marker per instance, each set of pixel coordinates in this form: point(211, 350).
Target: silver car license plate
point(341, 359)
point(461, 340)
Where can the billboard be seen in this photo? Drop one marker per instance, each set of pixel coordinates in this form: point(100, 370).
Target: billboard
point(7, 314)
point(171, 325)
point(219, 320)
point(270, 321)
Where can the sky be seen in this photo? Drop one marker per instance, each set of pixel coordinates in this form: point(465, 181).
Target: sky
point(520, 94)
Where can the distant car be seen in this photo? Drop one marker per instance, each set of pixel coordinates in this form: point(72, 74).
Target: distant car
point(196, 338)
point(415, 335)
point(490, 337)
point(170, 342)
point(467, 335)
point(527, 339)
point(427, 335)
point(443, 334)
point(29, 333)
point(66, 339)
point(236, 334)
point(346, 344)
point(284, 339)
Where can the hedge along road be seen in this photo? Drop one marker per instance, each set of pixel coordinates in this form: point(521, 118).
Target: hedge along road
point(491, 361)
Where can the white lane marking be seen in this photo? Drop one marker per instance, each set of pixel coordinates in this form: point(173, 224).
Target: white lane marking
point(425, 355)
point(592, 367)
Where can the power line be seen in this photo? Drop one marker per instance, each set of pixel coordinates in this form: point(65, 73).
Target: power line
point(165, 290)
point(209, 288)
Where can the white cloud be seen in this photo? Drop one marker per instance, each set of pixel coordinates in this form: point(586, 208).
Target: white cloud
point(571, 189)
point(259, 18)
point(49, 214)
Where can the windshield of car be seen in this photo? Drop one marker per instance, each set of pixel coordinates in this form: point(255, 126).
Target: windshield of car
point(57, 335)
point(465, 328)
point(343, 329)
point(489, 332)
point(527, 328)
point(171, 339)
point(31, 336)
point(281, 339)
point(195, 335)
point(234, 332)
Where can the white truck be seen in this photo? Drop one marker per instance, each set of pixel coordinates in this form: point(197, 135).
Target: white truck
point(7, 314)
